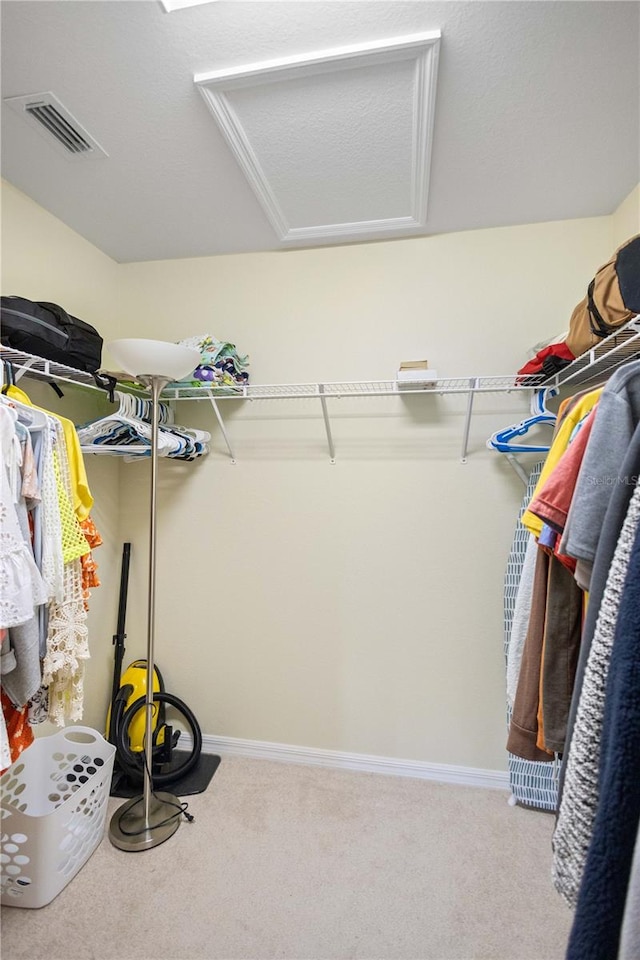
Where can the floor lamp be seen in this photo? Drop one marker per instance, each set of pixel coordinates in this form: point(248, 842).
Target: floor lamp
point(148, 820)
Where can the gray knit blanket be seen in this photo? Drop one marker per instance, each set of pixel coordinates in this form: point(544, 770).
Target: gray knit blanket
point(576, 815)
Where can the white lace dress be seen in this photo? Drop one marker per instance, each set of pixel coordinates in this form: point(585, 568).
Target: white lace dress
point(67, 637)
point(21, 585)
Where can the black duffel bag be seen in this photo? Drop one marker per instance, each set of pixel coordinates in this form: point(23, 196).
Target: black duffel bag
point(46, 330)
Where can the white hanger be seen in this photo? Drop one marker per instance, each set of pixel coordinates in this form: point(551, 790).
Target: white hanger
point(30, 417)
point(131, 413)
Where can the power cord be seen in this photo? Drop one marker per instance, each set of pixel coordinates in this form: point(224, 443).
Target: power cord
point(182, 808)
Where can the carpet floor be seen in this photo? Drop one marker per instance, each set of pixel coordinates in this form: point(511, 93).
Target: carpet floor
point(305, 863)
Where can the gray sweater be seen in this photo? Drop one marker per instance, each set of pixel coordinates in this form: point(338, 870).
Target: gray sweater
point(616, 418)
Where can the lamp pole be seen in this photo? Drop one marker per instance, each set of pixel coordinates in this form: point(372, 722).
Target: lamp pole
point(157, 385)
point(152, 818)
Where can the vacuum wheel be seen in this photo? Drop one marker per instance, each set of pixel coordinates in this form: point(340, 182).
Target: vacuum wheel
point(170, 761)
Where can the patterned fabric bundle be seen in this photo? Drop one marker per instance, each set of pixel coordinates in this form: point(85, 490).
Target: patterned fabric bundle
point(220, 365)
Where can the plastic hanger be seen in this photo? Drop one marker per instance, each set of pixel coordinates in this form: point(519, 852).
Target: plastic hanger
point(131, 424)
point(28, 416)
point(118, 426)
point(502, 440)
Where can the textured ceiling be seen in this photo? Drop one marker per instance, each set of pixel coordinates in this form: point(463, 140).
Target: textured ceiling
point(536, 117)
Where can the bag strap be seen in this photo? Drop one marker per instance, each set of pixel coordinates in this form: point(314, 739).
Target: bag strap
point(598, 326)
point(106, 382)
point(9, 375)
point(628, 271)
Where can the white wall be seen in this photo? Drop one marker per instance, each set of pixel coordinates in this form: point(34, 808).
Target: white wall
point(625, 221)
point(43, 259)
point(354, 606)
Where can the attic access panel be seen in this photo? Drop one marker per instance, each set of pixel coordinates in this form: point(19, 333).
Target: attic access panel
point(336, 144)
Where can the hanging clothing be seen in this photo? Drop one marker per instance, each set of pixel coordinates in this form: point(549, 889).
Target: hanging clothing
point(52, 560)
point(599, 913)
point(82, 499)
point(21, 671)
point(21, 585)
point(552, 501)
point(19, 732)
point(543, 694)
point(520, 621)
point(617, 416)
point(5, 745)
point(630, 935)
point(90, 578)
point(67, 637)
point(611, 525)
point(533, 784)
point(580, 793)
point(578, 689)
point(569, 416)
point(560, 651)
point(74, 542)
point(523, 730)
point(45, 499)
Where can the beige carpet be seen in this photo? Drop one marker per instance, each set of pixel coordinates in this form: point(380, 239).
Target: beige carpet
point(305, 863)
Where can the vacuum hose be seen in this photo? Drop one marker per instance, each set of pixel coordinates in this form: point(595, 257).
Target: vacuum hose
point(131, 761)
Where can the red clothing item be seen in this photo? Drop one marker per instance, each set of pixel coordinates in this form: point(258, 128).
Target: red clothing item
point(19, 730)
point(560, 350)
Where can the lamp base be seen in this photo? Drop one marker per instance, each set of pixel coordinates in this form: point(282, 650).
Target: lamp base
point(128, 829)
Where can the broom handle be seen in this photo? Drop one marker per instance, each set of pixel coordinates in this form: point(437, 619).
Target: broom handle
point(119, 637)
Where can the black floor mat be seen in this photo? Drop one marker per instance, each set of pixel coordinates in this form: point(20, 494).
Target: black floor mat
point(196, 781)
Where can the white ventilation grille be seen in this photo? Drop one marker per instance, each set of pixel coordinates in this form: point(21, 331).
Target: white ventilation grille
point(45, 112)
point(60, 128)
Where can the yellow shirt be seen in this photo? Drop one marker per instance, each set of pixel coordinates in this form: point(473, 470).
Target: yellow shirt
point(560, 443)
point(82, 499)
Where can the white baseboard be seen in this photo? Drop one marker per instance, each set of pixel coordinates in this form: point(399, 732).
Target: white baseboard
point(338, 759)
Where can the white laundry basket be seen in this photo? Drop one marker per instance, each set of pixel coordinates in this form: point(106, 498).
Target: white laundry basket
point(53, 807)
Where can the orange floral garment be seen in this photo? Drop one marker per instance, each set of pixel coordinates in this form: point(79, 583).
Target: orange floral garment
point(89, 566)
point(18, 727)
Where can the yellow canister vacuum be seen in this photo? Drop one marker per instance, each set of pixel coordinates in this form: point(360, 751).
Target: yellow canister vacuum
point(126, 719)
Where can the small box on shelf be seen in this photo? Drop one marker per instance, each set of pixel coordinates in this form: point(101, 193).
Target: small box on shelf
point(415, 374)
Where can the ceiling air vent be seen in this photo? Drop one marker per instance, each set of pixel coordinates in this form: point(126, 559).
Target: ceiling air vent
point(45, 112)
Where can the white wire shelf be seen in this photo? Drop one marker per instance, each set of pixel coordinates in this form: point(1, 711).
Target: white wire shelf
point(601, 361)
point(591, 368)
point(355, 388)
point(596, 364)
point(25, 364)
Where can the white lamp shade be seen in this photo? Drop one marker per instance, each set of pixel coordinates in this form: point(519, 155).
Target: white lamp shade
point(154, 358)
